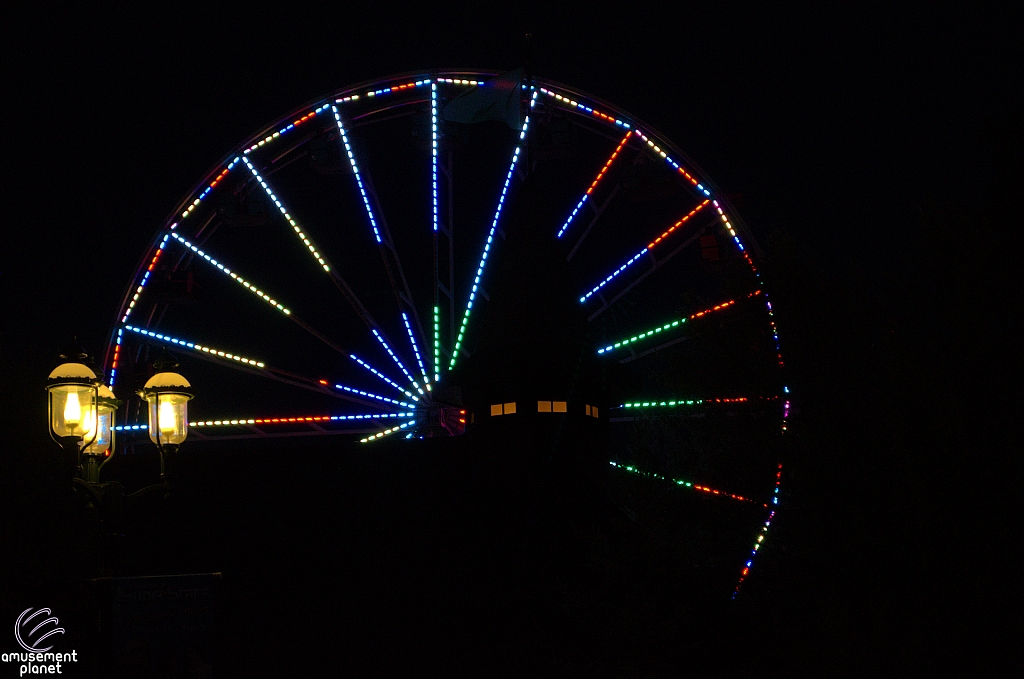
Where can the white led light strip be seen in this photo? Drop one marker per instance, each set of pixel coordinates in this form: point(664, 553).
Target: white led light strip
point(295, 226)
point(246, 284)
point(196, 347)
point(387, 431)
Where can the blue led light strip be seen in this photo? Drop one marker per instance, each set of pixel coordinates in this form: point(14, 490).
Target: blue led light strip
point(397, 361)
point(386, 432)
point(490, 237)
point(294, 420)
point(196, 347)
point(433, 147)
point(294, 224)
point(285, 129)
point(649, 247)
point(355, 170)
point(615, 273)
point(594, 184)
point(416, 350)
point(248, 286)
point(374, 396)
point(145, 278)
point(378, 374)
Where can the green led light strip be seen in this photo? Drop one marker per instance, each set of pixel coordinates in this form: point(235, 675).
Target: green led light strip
point(672, 324)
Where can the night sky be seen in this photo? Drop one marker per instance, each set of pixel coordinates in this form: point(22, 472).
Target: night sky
point(866, 150)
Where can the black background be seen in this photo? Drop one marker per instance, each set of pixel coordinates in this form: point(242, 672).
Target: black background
point(874, 152)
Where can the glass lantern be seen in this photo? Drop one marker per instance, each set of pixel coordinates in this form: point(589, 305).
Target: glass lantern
point(167, 394)
point(73, 397)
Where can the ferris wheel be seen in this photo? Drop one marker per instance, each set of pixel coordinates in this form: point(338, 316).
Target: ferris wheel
point(367, 266)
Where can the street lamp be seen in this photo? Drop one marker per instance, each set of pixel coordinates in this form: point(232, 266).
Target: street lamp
point(74, 418)
point(167, 394)
point(101, 450)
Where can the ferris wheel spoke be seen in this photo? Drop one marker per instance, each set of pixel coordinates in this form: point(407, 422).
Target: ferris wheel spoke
point(382, 376)
point(682, 403)
point(264, 427)
point(590, 190)
point(262, 295)
point(644, 251)
point(416, 351)
point(251, 366)
point(347, 418)
point(598, 211)
point(664, 331)
point(680, 482)
point(388, 432)
point(370, 395)
point(655, 265)
point(398, 362)
point(381, 232)
point(490, 237)
point(291, 220)
point(336, 278)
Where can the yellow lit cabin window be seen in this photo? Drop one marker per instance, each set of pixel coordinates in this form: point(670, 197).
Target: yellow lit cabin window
point(543, 406)
point(592, 411)
point(496, 409)
point(510, 408)
point(558, 406)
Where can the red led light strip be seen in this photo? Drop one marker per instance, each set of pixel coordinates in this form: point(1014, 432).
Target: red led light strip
point(610, 160)
point(678, 224)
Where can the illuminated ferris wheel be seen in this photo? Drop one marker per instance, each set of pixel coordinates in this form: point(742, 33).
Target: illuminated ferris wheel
point(367, 266)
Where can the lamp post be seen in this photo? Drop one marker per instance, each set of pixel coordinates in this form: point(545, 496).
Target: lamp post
point(167, 393)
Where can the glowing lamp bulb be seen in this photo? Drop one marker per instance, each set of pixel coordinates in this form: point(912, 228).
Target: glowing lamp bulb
point(88, 424)
point(166, 417)
point(72, 410)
